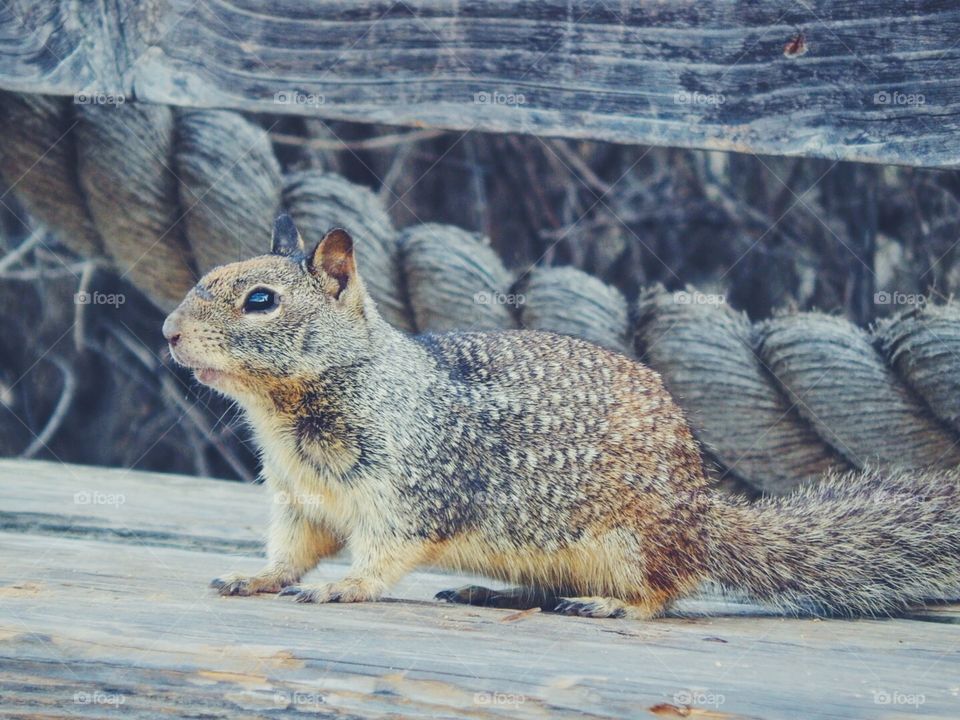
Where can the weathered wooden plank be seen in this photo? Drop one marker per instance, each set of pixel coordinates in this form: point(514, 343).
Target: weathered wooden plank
point(130, 506)
point(841, 79)
point(92, 618)
point(139, 625)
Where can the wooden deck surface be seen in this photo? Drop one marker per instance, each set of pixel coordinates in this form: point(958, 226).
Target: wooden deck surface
point(105, 612)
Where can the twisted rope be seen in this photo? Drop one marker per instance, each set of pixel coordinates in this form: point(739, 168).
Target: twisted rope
point(165, 195)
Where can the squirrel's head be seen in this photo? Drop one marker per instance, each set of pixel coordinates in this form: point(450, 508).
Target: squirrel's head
point(288, 315)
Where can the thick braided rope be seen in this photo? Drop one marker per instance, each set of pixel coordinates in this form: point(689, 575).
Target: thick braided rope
point(164, 195)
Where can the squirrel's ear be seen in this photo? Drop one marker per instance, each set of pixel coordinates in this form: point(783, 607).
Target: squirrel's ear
point(286, 238)
point(333, 258)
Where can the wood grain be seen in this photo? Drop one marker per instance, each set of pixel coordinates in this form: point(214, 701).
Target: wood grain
point(840, 79)
point(104, 609)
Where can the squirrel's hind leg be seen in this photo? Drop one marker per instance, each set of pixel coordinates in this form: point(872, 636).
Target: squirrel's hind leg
point(517, 598)
point(524, 598)
point(609, 607)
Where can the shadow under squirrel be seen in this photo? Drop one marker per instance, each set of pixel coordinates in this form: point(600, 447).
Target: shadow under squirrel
point(530, 457)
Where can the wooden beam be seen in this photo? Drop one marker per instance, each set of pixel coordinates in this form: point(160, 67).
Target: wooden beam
point(839, 79)
point(105, 608)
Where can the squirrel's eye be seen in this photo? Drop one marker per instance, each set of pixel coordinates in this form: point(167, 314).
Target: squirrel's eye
point(260, 300)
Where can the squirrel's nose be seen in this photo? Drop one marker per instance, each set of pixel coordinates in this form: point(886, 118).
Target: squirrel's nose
point(171, 329)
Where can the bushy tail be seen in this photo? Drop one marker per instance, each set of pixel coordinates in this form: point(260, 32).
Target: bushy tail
point(855, 544)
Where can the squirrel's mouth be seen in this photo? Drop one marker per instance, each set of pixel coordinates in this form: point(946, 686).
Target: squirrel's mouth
point(208, 376)
point(205, 375)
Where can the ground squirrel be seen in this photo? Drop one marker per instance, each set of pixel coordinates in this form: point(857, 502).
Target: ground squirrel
point(530, 457)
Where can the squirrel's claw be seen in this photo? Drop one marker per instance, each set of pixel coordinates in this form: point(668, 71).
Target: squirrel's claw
point(301, 596)
point(236, 584)
point(344, 591)
point(592, 607)
point(232, 586)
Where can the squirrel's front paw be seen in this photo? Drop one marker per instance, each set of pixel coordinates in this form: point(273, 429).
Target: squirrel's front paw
point(343, 591)
point(237, 584)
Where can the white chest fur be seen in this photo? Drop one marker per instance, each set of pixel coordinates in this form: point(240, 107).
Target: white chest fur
point(308, 483)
